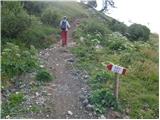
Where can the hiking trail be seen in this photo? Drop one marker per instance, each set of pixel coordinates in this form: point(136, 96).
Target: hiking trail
point(60, 98)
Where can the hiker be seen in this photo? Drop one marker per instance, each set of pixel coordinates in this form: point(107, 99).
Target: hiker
point(64, 24)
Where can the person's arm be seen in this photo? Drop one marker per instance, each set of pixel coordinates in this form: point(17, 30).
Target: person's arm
point(68, 25)
point(60, 23)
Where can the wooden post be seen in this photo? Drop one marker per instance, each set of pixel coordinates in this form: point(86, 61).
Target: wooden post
point(116, 91)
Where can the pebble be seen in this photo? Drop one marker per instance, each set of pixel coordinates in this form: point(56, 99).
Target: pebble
point(70, 60)
point(86, 77)
point(102, 117)
point(82, 97)
point(49, 94)
point(7, 117)
point(126, 117)
point(85, 102)
point(70, 113)
point(37, 94)
point(42, 66)
point(127, 110)
point(90, 114)
point(90, 107)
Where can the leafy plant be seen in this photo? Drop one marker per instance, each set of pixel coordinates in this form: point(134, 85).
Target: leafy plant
point(37, 35)
point(14, 19)
point(43, 75)
point(50, 17)
point(103, 99)
point(101, 77)
point(13, 105)
point(138, 32)
point(16, 61)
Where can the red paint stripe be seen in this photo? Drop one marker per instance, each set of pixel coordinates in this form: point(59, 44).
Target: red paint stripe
point(124, 71)
point(109, 66)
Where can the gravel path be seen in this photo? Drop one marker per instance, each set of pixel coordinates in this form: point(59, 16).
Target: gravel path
point(64, 97)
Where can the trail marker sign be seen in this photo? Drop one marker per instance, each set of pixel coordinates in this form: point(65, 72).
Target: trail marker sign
point(117, 70)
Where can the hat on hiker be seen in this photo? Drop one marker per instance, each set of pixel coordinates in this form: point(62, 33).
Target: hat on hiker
point(64, 17)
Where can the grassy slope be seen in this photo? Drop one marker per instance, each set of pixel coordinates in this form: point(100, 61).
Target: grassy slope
point(139, 88)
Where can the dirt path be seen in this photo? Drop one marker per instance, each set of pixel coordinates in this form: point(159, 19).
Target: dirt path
point(61, 99)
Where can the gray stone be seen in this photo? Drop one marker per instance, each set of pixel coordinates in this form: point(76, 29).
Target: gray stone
point(42, 66)
point(70, 113)
point(90, 107)
point(86, 77)
point(7, 117)
point(70, 60)
point(82, 97)
point(126, 117)
point(90, 114)
point(102, 117)
point(37, 94)
point(85, 102)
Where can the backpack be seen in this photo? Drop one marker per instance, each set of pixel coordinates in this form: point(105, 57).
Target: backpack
point(63, 25)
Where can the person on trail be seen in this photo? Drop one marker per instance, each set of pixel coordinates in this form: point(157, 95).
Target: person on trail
point(64, 24)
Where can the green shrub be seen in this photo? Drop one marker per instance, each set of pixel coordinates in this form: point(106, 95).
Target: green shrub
point(14, 19)
point(138, 32)
point(91, 26)
point(101, 77)
point(16, 61)
point(34, 7)
point(103, 99)
point(37, 36)
point(16, 99)
point(43, 75)
point(118, 27)
point(50, 17)
point(118, 42)
point(13, 105)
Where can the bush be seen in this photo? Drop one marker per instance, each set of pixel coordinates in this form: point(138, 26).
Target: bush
point(14, 19)
point(103, 99)
point(138, 32)
point(37, 36)
point(50, 17)
point(92, 27)
point(118, 42)
point(43, 76)
point(16, 61)
point(118, 27)
point(16, 98)
point(34, 7)
point(12, 106)
point(101, 77)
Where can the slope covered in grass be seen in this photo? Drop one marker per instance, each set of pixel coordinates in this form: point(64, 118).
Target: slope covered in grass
point(98, 45)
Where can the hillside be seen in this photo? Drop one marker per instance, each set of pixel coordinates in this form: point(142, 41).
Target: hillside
point(41, 79)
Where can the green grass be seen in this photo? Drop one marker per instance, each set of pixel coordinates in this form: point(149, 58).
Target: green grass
point(44, 76)
point(139, 87)
point(13, 105)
